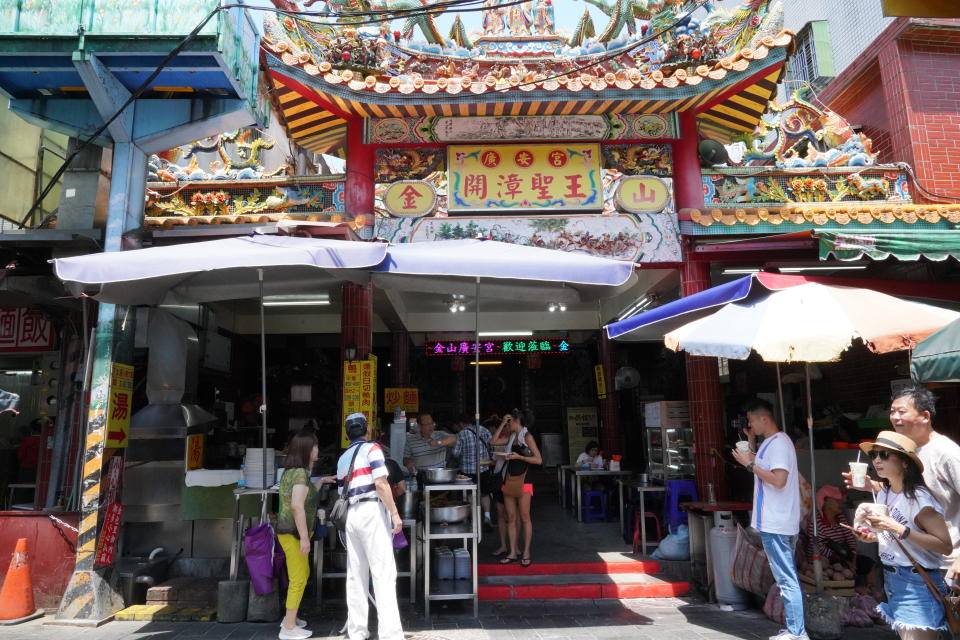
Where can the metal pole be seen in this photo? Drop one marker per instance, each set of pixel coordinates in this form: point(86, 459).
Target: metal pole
point(783, 416)
point(263, 381)
point(476, 383)
point(817, 564)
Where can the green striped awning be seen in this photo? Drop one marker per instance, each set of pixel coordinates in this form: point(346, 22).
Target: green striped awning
point(902, 244)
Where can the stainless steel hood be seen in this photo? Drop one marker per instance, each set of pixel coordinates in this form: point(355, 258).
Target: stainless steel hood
point(157, 431)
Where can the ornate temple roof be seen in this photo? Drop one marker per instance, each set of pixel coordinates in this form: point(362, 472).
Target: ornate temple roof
point(724, 68)
point(820, 215)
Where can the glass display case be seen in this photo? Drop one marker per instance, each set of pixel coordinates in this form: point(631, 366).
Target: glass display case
point(669, 452)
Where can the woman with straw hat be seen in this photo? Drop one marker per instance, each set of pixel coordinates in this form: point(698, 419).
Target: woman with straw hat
point(915, 521)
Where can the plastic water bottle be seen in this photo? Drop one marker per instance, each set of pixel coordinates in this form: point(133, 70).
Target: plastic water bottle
point(242, 482)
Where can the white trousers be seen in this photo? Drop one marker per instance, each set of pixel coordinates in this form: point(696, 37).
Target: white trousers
point(370, 551)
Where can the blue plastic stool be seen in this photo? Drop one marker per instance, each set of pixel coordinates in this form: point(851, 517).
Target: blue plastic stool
point(594, 506)
point(677, 491)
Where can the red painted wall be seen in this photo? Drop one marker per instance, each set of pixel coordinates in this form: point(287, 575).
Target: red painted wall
point(863, 104)
point(51, 557)
point(905, 92)
point(932, 72)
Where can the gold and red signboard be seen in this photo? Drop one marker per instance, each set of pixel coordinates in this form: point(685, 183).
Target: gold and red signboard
point(410, 198)
point(359, 393)
point(642, 194)
point(530, 177)
point(118, 409)
point(407, 398)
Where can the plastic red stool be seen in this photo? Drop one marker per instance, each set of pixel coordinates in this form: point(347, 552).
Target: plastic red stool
point(648, 515)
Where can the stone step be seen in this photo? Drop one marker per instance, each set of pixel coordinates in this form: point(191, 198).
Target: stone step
point(578, 586)
point(559, 568)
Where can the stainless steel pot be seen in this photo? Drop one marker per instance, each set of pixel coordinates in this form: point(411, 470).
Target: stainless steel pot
point(439, 476)
point(407, 504)
point(450, 514)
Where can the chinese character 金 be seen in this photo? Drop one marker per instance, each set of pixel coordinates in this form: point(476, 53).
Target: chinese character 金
point(563, 346)
point(508, 347)
point(475, 185)
point(410, 195)
point(544, 345)
point(438, 349)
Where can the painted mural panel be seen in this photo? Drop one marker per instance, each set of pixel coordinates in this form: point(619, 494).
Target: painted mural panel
point(862, 185)
point(449, 129)
point(635, 238)
point(524, 177)
point(429, 129)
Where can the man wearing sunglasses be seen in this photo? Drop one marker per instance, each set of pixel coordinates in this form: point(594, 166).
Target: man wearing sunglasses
point(776, 508)
point(911, 413)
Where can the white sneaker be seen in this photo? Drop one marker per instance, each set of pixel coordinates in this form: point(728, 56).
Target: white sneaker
point(301, 624)
point(297, 633)
point(786, 635)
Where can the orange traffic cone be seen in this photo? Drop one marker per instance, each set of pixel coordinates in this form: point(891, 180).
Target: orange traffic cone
point(16, 597)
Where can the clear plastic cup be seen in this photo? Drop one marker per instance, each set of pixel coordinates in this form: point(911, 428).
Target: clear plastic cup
point(743, 446)
point(858, 473)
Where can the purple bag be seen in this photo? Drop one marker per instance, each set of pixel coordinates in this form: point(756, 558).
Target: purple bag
point(400, 540)
point(280, 564)
point(258, 549)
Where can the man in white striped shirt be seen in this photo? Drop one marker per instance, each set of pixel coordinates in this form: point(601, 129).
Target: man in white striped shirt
point(372, 521)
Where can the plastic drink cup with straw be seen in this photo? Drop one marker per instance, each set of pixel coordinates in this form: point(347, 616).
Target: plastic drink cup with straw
point(858, 473)
point(743, 446)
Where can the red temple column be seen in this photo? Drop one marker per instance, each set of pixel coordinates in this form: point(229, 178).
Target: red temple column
point(400, 358)
point(611, 431)
point(359, 187)
point(703, 377)
point(356, 320)
point(705, 398)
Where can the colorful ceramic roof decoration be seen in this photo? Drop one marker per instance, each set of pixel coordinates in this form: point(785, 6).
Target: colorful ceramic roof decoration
point(653, 56)
point(799, 134)
point(820, 215)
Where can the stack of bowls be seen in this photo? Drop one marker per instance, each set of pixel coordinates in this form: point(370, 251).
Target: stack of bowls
point(253, 468)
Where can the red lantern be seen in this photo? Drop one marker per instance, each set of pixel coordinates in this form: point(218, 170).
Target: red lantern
point(696, 54)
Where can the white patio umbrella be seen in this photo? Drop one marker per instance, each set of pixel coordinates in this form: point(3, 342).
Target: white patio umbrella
point(807, 323)
point(228, 269)
point(508, 271)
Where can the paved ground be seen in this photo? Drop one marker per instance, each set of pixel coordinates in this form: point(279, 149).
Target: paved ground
point(641, 619)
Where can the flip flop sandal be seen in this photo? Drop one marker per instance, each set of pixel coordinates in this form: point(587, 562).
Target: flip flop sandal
point(526, 562)
point(508, 560)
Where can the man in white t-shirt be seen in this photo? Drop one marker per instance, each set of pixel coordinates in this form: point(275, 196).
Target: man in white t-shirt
point(776, 508)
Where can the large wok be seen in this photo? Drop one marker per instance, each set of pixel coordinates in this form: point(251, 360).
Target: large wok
point(439, 475)
point(450, 514)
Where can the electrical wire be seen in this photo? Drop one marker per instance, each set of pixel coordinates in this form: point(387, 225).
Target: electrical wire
point(136, 93)
point(133, 96)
